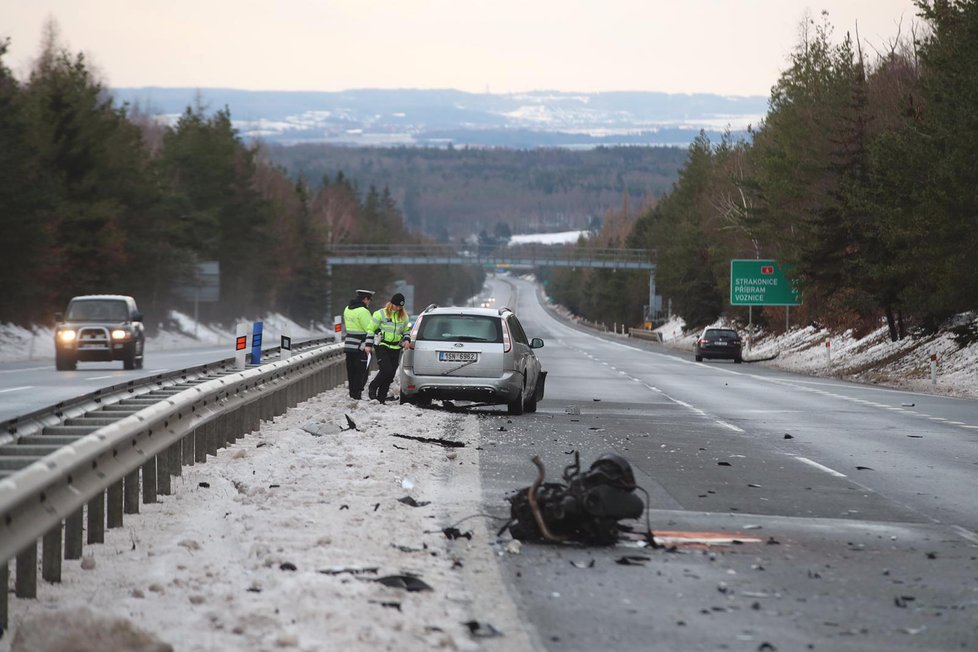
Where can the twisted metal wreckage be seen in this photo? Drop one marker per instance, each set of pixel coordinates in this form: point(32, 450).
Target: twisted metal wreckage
point(585, 508)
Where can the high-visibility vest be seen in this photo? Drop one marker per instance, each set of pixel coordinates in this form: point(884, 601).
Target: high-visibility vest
point(357, 322)
point(389, 330)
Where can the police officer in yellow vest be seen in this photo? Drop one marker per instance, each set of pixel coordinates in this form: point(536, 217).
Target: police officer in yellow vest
point(357, 322)
point(389, 329)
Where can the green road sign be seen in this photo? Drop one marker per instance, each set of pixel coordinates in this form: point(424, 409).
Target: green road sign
point(761, 283)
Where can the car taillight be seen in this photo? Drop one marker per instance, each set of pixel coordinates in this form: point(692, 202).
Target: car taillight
point(415, 329)
point(701, 341)
point(507, 342)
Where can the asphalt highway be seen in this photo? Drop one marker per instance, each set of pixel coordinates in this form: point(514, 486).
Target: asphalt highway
point(842, 516)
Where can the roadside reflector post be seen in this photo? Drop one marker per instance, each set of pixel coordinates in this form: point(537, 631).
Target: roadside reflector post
point(256, 343)
point(338, 328)
point(828, 351)
point(286, 347)
point(240, 345)
point(933, 369)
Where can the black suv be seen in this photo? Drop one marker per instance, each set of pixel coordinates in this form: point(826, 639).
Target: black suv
point(717, 342)
point(99, 328)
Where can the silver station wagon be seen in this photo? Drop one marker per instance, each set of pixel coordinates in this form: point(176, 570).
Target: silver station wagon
point(481, 355)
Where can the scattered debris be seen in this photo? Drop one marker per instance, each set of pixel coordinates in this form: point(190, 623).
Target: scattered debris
point(724, 464)
point(204, 485)
point(319, 429)
point(863, 468)
point(482, 630)
point(352, 570)
point(408, 500)
point(287, 566)
point(902, 600)
point(572, 409)
point(432, 440)
point(632, 560)
point(344, 506)
point(585, 508)
point(788, 436)
point(514, 547)
point(351, 424)
point(906, 405)
point(390, 604)
point(454, 533)
point(916, 436)
point(407, 582)
point(582, 564)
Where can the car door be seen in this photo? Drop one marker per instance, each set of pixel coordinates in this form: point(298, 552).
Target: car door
point(525, 359)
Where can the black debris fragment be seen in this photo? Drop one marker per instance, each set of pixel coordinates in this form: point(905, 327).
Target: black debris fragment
point(454, 533)
point(204, 485)
point(766, 647)
point(863, 468)
point(400, 448)
point(915, 436)
point(408, 500)
point(902, 600)
point(351, 424)
point(771, 541)
point(407, 582)
point(253, 589)
point(502, 428)
point(344, 506)
point(274, 486)
point(931, 555)
point(632, 560)
point(432, 440)
point(787, 436)
point(390, 605)
point(376, 506)
point(724, 464)
point(482, 630)
point(287, 566)
point(352, 570)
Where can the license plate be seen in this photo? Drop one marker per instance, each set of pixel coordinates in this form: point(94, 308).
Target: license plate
point(92, 346)
point(458, 356)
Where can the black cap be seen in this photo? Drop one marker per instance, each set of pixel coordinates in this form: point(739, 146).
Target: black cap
point(398, 299)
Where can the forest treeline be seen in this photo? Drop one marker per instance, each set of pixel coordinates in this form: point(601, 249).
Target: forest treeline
point(98, 198)
point(453, 192)
point(862, 179)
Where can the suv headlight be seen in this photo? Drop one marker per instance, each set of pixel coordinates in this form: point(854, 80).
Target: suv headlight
point(66, 336)
point(120, 334)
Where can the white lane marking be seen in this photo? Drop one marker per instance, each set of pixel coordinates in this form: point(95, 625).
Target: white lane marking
point(17, 371)
point(971, 427)
point(937, 418)
point(101, 377)
point(729, 425)
point(820, 467)
point(16, 389)
point(966, 534)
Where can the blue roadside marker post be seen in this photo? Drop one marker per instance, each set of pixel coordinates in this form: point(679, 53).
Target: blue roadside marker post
point(256, 343)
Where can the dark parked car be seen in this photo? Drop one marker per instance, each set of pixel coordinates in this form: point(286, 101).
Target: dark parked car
point(99, 327)
point(472, 354)
point(717, 342)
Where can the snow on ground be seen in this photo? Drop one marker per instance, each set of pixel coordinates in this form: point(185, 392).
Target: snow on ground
point(180, 331)
point(279, 542)
point(564, 237)
point(872, 359)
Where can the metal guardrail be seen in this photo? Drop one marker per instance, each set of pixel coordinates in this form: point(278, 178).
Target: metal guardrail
point(97, 478)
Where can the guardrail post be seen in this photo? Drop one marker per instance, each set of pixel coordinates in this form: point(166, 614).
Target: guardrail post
point(149, 481)
point(25, 583)
point(51, 555)
point(187, 448)
point(130, 493)
point(213, 434)
point(4, 583)
point(74, 529)
point(114, 505)
point(96, 518)
point(163, 461)
point(200, 442)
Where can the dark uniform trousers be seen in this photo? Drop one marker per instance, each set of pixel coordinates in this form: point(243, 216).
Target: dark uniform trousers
point(387, 359)
point(356, 372)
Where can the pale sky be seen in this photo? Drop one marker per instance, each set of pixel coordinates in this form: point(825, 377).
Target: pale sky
point(731, 47)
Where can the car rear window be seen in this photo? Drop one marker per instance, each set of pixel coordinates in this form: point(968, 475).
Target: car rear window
point(98, 310)
point(720, 333)
point(460, 328)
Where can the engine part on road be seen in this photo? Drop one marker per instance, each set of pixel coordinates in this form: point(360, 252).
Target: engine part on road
point(585, 508)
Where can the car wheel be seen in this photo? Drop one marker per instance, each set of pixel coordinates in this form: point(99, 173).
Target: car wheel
point(516, 405)
point(129, 362)
point(738, 360)
point(531, 403)
point(65, 363)
point(699, 358)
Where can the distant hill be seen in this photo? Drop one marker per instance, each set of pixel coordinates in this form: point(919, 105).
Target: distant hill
point(434, 118)
point(457, 191)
